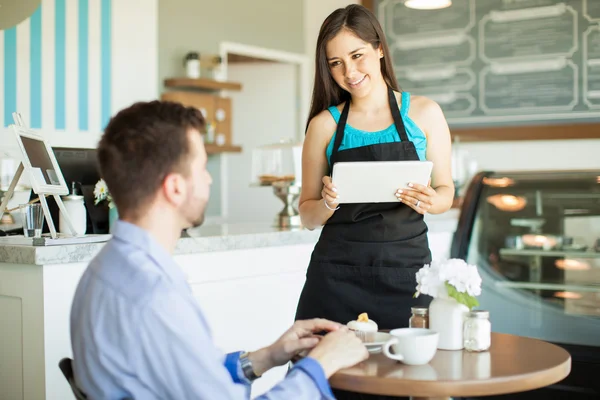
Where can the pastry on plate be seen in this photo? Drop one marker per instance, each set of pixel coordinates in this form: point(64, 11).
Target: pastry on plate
point(364, 327)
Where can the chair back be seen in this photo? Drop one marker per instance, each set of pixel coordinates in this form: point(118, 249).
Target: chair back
point(66, 366)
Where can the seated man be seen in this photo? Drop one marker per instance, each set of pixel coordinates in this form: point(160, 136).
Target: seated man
point(136, 329)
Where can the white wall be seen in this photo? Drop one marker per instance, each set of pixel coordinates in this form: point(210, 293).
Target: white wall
point(134, 73)
point(196, 25)
point(265, 113)
point(135, 52)
point(133, 68)
point(315, 12)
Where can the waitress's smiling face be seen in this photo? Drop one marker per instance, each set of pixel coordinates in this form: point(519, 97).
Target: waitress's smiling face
point(354, 64)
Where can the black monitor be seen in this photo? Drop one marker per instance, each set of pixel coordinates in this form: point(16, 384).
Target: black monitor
point(81, 166)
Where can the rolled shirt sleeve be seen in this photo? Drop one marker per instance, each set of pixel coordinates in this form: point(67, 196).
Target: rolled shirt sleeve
point(179, 358)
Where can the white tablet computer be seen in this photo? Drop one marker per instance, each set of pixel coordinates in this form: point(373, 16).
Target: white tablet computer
point(377, 181)
point(40, 162)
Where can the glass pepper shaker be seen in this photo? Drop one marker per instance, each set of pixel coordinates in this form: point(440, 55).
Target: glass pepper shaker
point(477, 331)
point(419, 318)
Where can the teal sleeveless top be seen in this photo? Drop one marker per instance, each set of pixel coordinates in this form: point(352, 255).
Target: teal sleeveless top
point(357, 138)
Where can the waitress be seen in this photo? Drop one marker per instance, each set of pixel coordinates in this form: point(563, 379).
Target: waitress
point(367, 255)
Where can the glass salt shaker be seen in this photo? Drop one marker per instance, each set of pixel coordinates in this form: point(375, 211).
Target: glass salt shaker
point(477, 331)
point(419, 318)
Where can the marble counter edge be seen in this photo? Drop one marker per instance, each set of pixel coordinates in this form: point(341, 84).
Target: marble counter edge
point(207, 239)
point(76, 253)
point(190, 245)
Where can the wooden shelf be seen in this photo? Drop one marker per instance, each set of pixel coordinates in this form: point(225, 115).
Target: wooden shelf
point(201, 83)
point(528, 132)
point(214, 149)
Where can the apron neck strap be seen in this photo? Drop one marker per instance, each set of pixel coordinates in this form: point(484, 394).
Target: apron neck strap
point(341, 126)
point(396, 115)
point(339, 133)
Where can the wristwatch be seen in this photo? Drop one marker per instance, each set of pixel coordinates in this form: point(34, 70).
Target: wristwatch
point(247, 368)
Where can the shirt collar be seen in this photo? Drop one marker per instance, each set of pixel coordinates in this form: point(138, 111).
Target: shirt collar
point(140, 238)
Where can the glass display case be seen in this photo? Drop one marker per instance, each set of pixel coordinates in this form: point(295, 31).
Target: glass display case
point(535, 237)
point(279, 165)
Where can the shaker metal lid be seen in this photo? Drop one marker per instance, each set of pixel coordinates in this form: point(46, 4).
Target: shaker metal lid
point(479, 314)
point(419, 310)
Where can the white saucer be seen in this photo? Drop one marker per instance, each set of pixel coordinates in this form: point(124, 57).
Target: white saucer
point(375, 345)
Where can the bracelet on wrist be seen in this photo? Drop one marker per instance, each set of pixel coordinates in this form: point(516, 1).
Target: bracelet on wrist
point(327, 205)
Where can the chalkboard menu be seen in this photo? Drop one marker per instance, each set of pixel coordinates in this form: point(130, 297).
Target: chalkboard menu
point(496, 62)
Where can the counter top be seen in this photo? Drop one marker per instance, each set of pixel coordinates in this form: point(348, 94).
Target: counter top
point(207, 238)
point(222, 237)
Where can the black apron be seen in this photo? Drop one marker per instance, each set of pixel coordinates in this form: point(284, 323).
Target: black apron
point(368, 254)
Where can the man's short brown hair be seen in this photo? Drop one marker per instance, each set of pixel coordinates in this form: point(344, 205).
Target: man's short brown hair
point(141, 145)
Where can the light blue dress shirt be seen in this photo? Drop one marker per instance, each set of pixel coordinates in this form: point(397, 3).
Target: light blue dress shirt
point(138, 332)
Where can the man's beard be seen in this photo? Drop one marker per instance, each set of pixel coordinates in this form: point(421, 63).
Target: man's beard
point(193, 209)
point(193, 212)
point(199, 220)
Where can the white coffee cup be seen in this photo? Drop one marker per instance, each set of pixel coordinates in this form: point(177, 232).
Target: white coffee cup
point(412, 346)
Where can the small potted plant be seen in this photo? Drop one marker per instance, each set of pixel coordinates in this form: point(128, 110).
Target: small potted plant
point(101, 193)
point(454, 285)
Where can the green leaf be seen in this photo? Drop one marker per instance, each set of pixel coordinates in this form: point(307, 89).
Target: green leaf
point(462, 298)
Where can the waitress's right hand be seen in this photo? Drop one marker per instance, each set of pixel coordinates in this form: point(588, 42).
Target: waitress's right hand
point(329, 192)
point(338, 350)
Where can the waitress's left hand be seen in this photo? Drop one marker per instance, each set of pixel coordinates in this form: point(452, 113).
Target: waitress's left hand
point(418, 197)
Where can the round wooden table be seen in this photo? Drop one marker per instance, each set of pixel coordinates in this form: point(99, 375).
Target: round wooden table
point(513, 364)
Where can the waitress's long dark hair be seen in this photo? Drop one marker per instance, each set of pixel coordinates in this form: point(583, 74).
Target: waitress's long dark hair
point(360, 21)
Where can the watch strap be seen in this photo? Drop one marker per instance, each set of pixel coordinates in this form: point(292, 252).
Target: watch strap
point(247, 367)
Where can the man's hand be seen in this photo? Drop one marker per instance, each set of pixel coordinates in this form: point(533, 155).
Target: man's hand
point(300, 337)
point(338, 350)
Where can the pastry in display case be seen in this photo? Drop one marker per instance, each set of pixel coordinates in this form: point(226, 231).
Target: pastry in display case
point(279, 165)
point(535, 236)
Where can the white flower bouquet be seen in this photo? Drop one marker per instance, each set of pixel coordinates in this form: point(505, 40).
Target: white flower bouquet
point(452, 278)
point(101, 193)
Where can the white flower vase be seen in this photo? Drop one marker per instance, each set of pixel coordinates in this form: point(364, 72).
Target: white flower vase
point(447, 316)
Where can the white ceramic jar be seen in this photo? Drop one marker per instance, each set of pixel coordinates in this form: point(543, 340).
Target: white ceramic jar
point(192, 65)
point(447, 317)
point(76, 209)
